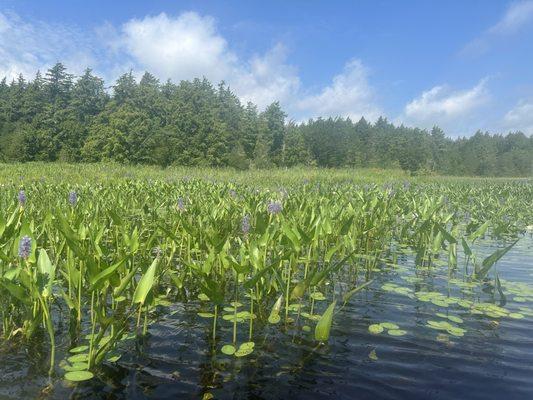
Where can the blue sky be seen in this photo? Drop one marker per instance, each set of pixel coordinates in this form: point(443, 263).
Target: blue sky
point(464, 65)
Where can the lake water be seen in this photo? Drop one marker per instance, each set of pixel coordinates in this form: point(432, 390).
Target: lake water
point(493, 360)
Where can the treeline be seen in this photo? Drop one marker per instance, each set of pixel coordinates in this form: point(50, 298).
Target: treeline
point(60, 117)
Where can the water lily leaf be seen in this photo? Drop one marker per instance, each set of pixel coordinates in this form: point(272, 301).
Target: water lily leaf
point(245, 349)
point(79, 376)
point(455, 319)
point(373, 356)
point(205, 314)
point(228, 349)
point(389, 325)
point(79, 358)
point(317, 296)
point(396, 332)
point(375, 328)
point(274, 318)
point(79, 349)
point(81, 366)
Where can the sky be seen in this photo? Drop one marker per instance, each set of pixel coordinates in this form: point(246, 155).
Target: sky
point(461, 65)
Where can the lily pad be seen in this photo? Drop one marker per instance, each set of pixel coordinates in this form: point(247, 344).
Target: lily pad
point(79, 376)
point(206, 315)
point(396, 332)
point(228, 349)
point(274, 319)
point(375, 328)
point(78, 358)
point(389, 325)
point(79, 349)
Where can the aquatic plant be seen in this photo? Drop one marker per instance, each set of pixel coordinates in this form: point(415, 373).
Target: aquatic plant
point(250, 264)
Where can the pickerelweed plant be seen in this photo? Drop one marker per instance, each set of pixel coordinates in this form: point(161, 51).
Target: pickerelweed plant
point(253, 258)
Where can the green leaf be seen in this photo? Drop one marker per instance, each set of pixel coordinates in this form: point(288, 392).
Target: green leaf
point(323, 327)
point(228, 349)
point(78, 376)
point(145, 284)
point(46, 272)
point(106, 272)
point(274, 317)
point(492, 259)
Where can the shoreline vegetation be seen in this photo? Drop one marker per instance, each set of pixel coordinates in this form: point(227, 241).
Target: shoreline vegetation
point(104, 171)
point(59, 117)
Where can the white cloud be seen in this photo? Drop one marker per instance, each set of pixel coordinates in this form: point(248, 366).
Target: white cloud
point(27, 47)
point(349, 95)
point(520, 118)
point(189, 46)
point(447, 108)
point(517, 15)
point(185, 47)
point(267, 78)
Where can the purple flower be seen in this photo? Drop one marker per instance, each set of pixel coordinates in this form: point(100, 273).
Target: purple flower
point(25, 247)
point(22, 198)
point(233, 193)
point(181, 204)
point(274, 207)
point(245, 225)
point(72, 198)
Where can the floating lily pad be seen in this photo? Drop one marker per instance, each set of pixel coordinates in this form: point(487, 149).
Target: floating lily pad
point(79, 358)
point(373, 356)
point(228, 349)
point(396, 332)
point(375, 328)
point(516, 315)
point(79, 349)
point(78, 376)
point(206, 315)
point(318, 296)
point(245, 349)
point(274, 319)
point(203, 297)
point(81, 366)
point(455, 319)
point(389, 325)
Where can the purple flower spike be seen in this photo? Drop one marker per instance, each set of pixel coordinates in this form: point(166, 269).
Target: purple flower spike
point(73, 198)
point(25, 247)
point(22, 198)
point(274, 208)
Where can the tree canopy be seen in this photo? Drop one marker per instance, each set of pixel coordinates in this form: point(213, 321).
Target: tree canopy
point(60, 117)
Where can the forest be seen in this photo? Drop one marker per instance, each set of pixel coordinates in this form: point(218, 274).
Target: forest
point(60, 117)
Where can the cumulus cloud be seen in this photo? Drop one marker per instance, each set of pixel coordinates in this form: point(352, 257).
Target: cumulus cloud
point(520, 118)
point(448, 108)
point(189, 46)
point(184, 47)
point(27, 47)
point(348, 95)
point(516, 16)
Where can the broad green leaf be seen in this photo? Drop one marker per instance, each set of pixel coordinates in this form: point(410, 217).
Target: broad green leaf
point(323, 327)
point(145, 284)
